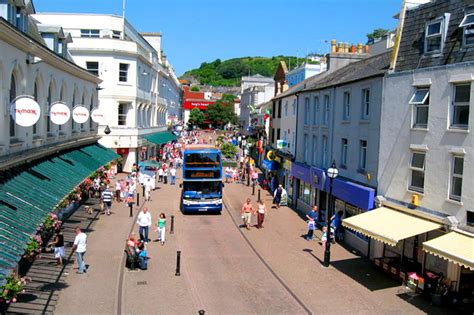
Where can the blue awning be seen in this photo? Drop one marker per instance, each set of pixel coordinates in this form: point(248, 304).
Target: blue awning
point(270, 165)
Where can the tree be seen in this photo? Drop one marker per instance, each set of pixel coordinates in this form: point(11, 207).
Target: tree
point(377, 33)
point(194, 88)
point(196, 117)
point(228, 150)
point(222, 111)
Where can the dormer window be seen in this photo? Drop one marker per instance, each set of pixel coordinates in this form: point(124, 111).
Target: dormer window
point(434, 36)
point(468, 29)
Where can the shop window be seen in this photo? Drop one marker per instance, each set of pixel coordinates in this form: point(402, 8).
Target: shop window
point(456, 178)
point(420, 101)
point(460, 108)
point(417, 167)
point(305, 192)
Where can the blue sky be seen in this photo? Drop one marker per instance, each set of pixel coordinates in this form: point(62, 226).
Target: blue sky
point(195, 31)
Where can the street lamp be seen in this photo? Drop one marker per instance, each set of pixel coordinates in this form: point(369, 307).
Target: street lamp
point(332, 173)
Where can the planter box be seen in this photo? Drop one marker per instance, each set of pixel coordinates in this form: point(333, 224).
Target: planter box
point(377, 262)
point(394, 271)
point(385, 267)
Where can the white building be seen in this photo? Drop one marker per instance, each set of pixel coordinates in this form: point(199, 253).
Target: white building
point(139, 93)
point(255, 90)
point(35, 62)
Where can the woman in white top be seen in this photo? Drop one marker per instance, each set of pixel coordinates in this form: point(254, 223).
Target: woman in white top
point(261, 214)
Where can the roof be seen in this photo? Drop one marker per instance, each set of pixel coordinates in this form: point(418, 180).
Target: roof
point(411, 52)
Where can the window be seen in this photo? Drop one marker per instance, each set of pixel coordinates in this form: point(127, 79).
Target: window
point(286, 109)
point(420, 100)
point(365, 104)
point(116, 34)
point(470, 217)
point(90, 33)
point(123, 72)
point(326, 109)
point(456, 178)
point(315, 151)
point(343, 152)
point(273, 136)
point(91, 107)
point(93, 67)
point(294, 107)
point(462, 97)
point(417, 167)
point(306, 111)
point(274, 110)
point(468, 31)
point(35, 96)
point(324, 151)
point(293, 140)
point(434, 37)
point(306, 149)
point(122, 114)
point(305, 192)
point(73, 104)
point(362, 155)
point(12, 97)
point(49, 100)
point(278, 134)
point(279, 108)
point(346, 114)
point(316, 110)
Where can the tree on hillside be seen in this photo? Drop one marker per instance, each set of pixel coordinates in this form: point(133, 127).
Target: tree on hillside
point(222, 111)
point(196, 117)
point(377, 33)
point(194, 88)
point(232, 69)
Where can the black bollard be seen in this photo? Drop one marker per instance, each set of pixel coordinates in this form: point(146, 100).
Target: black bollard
point(201, 312)
point(131, 209)
point(253, 189)
point(172, 225)
point(259, 195)
point(178, 263)
point(138, 199)
point(248, 179)
point(143, 190)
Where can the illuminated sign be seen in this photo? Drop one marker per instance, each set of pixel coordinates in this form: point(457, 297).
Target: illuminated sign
point(202, 174)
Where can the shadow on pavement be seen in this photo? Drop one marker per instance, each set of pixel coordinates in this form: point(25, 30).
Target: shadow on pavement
point(422, 304)
point(310, 251)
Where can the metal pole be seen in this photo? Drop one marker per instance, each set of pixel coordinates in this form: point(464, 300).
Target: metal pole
point(143, 190)
point(138, 199)
point(253, 189)
point(172, 225)
point(327, 251)
point(131, 209)
point(248, 179)
point(178, 263)
point(259, 194)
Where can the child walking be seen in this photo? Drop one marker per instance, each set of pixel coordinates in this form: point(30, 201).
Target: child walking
point(311, 228)
point(161, 228)
point(324, 237)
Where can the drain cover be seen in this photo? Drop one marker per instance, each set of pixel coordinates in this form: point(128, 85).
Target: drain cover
point(142, 283)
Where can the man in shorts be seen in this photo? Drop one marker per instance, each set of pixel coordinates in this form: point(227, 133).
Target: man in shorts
point(246, 212)
point(107, 197)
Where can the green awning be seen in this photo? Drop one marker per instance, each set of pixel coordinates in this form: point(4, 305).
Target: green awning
point(161, 137)
point(28, 193)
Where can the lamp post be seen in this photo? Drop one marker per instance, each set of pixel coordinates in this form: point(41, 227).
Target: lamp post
point(332, 173)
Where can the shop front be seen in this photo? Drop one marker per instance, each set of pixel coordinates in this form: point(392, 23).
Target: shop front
point(302, 186)
point(288, 180)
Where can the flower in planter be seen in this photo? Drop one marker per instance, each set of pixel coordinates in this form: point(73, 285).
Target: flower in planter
point(14, 285)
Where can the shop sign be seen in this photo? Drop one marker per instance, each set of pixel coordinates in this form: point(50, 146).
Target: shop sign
point(25, 111)
point(281, 143)
point(80, 114)
point(59, 113)
point(97, 116)
point(122, 151)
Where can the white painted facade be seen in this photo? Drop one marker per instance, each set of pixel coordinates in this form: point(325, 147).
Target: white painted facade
point(139, 94)
point(439, 141)
point(31, 68)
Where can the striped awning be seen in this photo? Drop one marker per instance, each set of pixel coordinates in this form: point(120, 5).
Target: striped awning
point(454, 246)
point(389, 226)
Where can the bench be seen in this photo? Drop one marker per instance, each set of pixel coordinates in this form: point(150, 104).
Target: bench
point(132, 258)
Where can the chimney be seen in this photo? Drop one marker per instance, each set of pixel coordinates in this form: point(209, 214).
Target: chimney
point(343, 54)
point(353, 49)
point(333, 46)
point(366, 49)
point(359, 48)
point(339, 48)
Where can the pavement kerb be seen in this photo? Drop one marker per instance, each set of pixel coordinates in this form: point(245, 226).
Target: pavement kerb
point(262, 260)
point(119, 290)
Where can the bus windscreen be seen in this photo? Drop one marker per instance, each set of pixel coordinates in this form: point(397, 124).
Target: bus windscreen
point(205, 188)
point(202, 160)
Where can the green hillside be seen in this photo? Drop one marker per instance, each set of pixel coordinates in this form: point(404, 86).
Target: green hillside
point(229, 72)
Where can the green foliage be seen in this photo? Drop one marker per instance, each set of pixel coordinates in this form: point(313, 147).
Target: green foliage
point(195, 88)
point(196, 117)
point(13, 286)
point(229, 72)
point(222, 111)
point(377, 33)
point(228, 150)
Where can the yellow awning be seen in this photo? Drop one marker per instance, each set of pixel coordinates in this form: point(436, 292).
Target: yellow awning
point(388, 226)
point(455, 247)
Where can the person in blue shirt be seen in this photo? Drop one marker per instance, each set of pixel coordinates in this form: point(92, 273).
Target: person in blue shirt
point(313, 214)
point(142, 256)
point(336, 221)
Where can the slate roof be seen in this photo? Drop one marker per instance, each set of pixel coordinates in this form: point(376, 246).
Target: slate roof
point(410, 54)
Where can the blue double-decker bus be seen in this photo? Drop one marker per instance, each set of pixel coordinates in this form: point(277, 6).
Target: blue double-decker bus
point(202, 179)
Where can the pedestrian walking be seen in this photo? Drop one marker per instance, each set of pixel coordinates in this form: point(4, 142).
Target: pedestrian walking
point(277, 196)
point(161, 228)
point(260, 214)
point(324, 237)
point(80, 247)
point(160, 175)
point(144, 223)
point(165, 176)
point(106, 198)
point(148, 188)
point(311, 227)
point(313, 214)
point(58, 243)
point(118, 189)
point(173, 175)
point(142, 256)
point(254, 177)
point(246, 212)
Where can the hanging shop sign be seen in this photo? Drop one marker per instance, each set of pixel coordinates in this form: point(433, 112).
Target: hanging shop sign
point(80, 114)
point(97, 116)
point(59, 113)
point(25, 111)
